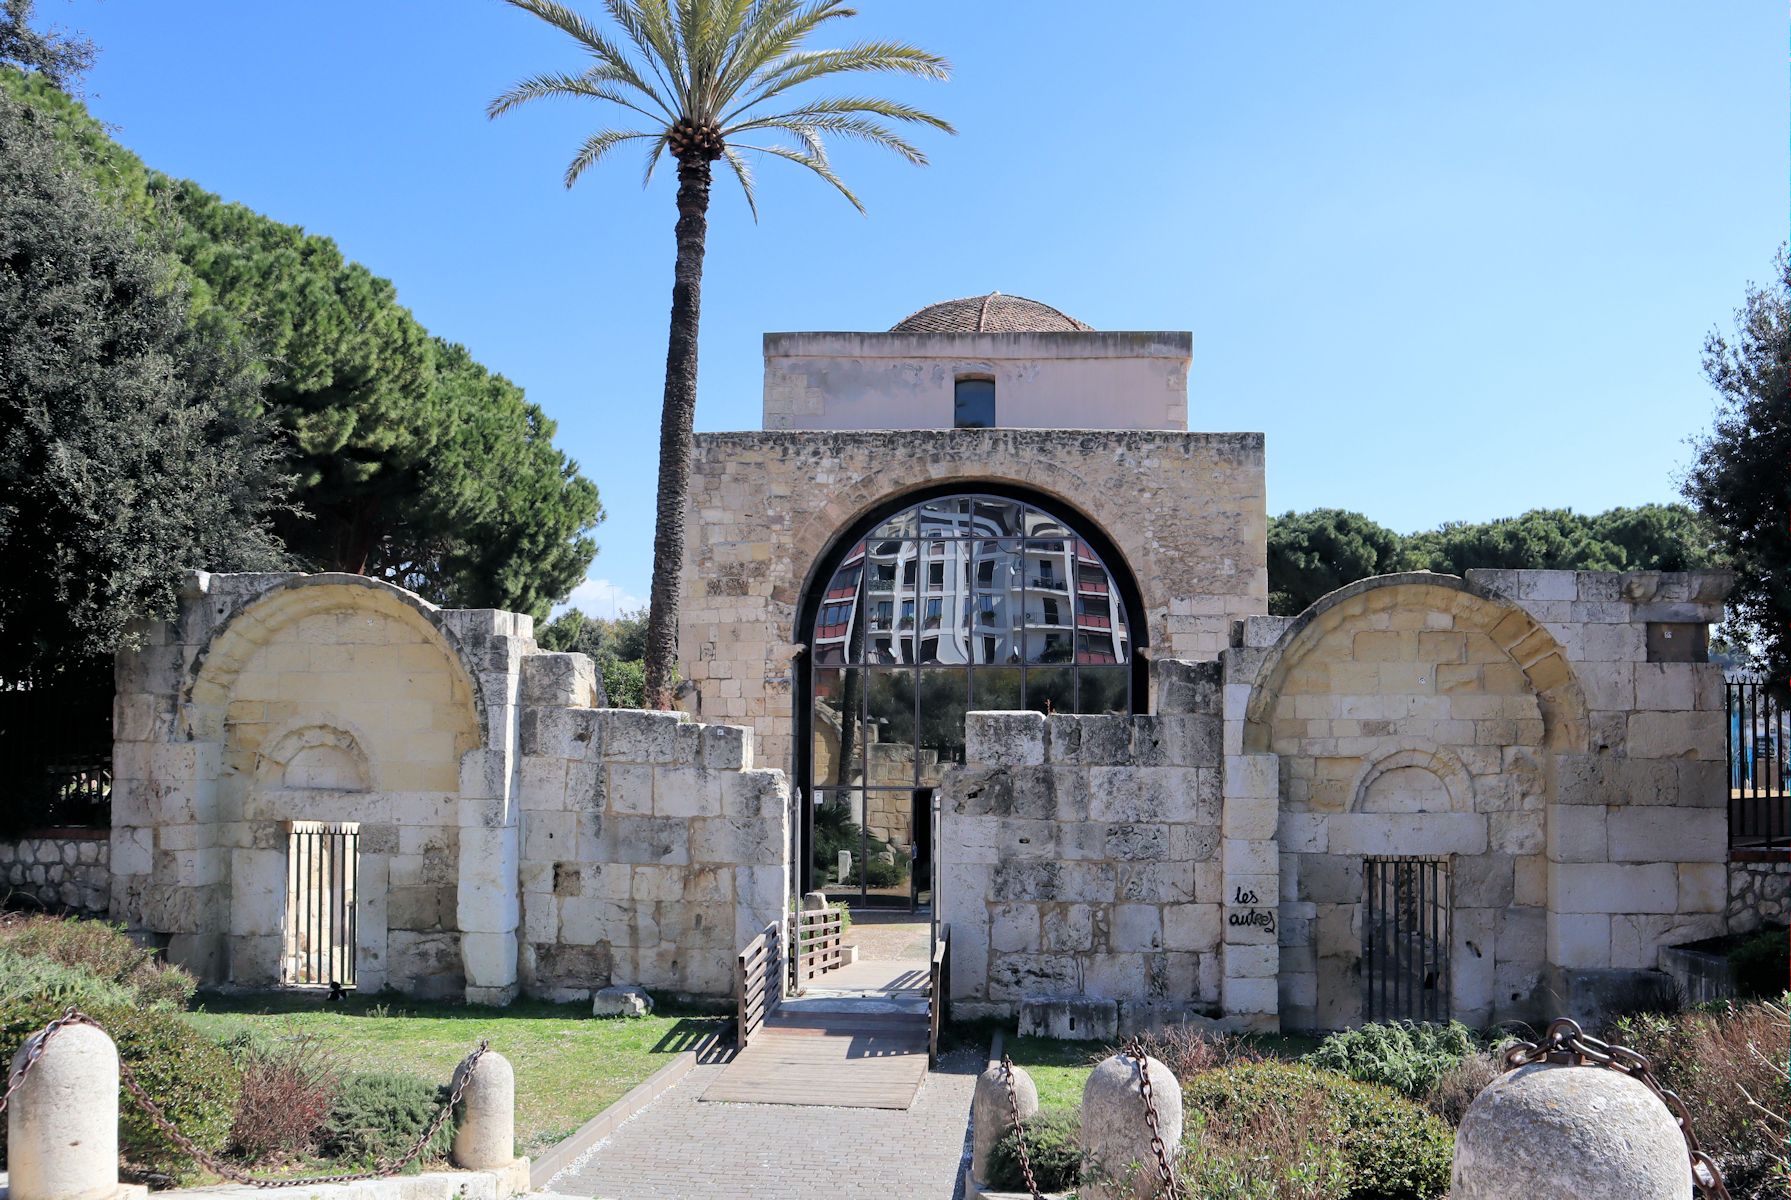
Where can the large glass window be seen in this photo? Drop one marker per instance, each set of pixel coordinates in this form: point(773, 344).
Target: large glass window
point(1013, 611)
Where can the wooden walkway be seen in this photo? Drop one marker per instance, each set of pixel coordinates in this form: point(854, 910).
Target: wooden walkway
point(858, 1042)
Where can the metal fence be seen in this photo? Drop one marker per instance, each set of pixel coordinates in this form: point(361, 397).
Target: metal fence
point(56, 742)
point(1759, 750)
point(322, 869)
point(1406, 919)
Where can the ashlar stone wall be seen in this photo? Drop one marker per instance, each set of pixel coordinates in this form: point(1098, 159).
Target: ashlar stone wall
point(1513, 725)
point(1079, 858)
point(334, 698)
point(652, 851)
point(1187, 511)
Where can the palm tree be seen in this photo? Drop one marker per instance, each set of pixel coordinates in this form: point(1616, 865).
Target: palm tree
point(703, 75)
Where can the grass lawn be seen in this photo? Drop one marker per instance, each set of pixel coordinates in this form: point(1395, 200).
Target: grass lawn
point(570, 1066)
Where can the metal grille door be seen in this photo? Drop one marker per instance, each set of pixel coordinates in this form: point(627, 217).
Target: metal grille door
point(1405, 939)
point(1759, 790)
point(322, 861)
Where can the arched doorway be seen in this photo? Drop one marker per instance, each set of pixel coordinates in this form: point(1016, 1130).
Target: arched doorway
point(929, 608)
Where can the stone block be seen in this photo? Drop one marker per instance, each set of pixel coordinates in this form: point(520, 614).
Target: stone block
point(1614, 888)
point(727, 747)
point(1254, 817)
point(1703, 886)
point(1014, 927)
point(685, 792)
point(1579, 940)
point(1249, 857)
point(1186, 687)
point(1137, 928)
point(639, 736)
point(1662, 834)
point(1241, 994)
point(1518, 833)
point(1691, 735)
point(621, 1000)
point(561, 681)
point(1005, 739)
point(1408, 833)
point(1191, 926)
point(1072, 1018)
point(1252, 775)
point(1577, 833)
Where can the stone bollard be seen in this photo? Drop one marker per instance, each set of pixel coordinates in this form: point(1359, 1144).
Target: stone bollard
point(1116, 1140)
point(1564, 1132)
point(991, 1115)
point(486, 1136)
point(62, 1123)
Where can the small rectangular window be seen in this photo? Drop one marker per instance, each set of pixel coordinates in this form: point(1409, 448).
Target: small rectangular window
point(973, 404)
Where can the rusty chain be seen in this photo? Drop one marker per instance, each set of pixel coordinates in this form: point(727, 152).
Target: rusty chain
point(1566, 1043)
point(1013, 1108)
point(380, 1170)
point(34, 1050)
point(1167, 1184)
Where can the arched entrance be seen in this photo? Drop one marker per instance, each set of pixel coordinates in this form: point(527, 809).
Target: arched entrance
point(928, 608)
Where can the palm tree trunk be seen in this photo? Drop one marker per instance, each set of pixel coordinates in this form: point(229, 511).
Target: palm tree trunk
point(675, 422)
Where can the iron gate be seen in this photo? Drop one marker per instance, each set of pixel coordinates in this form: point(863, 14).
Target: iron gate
point(1405, 939)
point(1759, 750)
point(322, 863)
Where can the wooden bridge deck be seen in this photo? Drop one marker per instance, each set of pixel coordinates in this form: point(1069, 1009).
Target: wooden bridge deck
point(857, 1038)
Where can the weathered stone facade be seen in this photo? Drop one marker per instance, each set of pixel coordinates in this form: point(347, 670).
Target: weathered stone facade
point(1187, 510)
point(652, 851)
point(58, 869)
point(289, 698)
point(1080, 857)
point(1545, 744)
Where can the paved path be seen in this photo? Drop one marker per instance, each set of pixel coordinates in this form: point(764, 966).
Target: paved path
point(677, 1148)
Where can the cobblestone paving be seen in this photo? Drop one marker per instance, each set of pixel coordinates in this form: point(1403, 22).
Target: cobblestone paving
point(679, 1148)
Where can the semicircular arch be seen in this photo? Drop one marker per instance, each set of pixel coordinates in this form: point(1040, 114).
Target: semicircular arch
point(261, 622)
point(1524, 640)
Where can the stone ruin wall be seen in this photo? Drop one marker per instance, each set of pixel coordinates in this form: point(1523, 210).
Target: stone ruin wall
point(652, 851)
point(58, 870)
point(1515, 724)
point(1079, 857)
point(280, 698)
point(1185, 509)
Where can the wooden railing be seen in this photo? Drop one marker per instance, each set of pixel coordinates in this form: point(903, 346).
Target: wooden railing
point(820, 943)
point(938, 991)
point(758, 982)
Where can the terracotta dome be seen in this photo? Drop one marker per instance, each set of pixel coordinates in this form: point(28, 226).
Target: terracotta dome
point(993, 313)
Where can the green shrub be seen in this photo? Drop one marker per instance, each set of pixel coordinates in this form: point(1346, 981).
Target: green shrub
point(1762, 964)
point(190, 1077)
point(30, 979)
point(103, 949)
point(1407, 1057)
point(1053, 1145)
point(1390, 1148)
point(378, 1117)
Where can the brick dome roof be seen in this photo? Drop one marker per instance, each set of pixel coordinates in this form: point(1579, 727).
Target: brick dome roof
point(993, 313)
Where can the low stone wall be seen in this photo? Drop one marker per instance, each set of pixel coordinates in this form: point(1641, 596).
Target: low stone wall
point(59, 869)
point(651, 851)
point(1759, 894)
point(1080, 860)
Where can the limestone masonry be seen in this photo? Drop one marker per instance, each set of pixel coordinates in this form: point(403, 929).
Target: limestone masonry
point(948, 649)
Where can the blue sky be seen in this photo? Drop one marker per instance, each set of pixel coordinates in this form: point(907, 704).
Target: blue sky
point(1455, 260)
